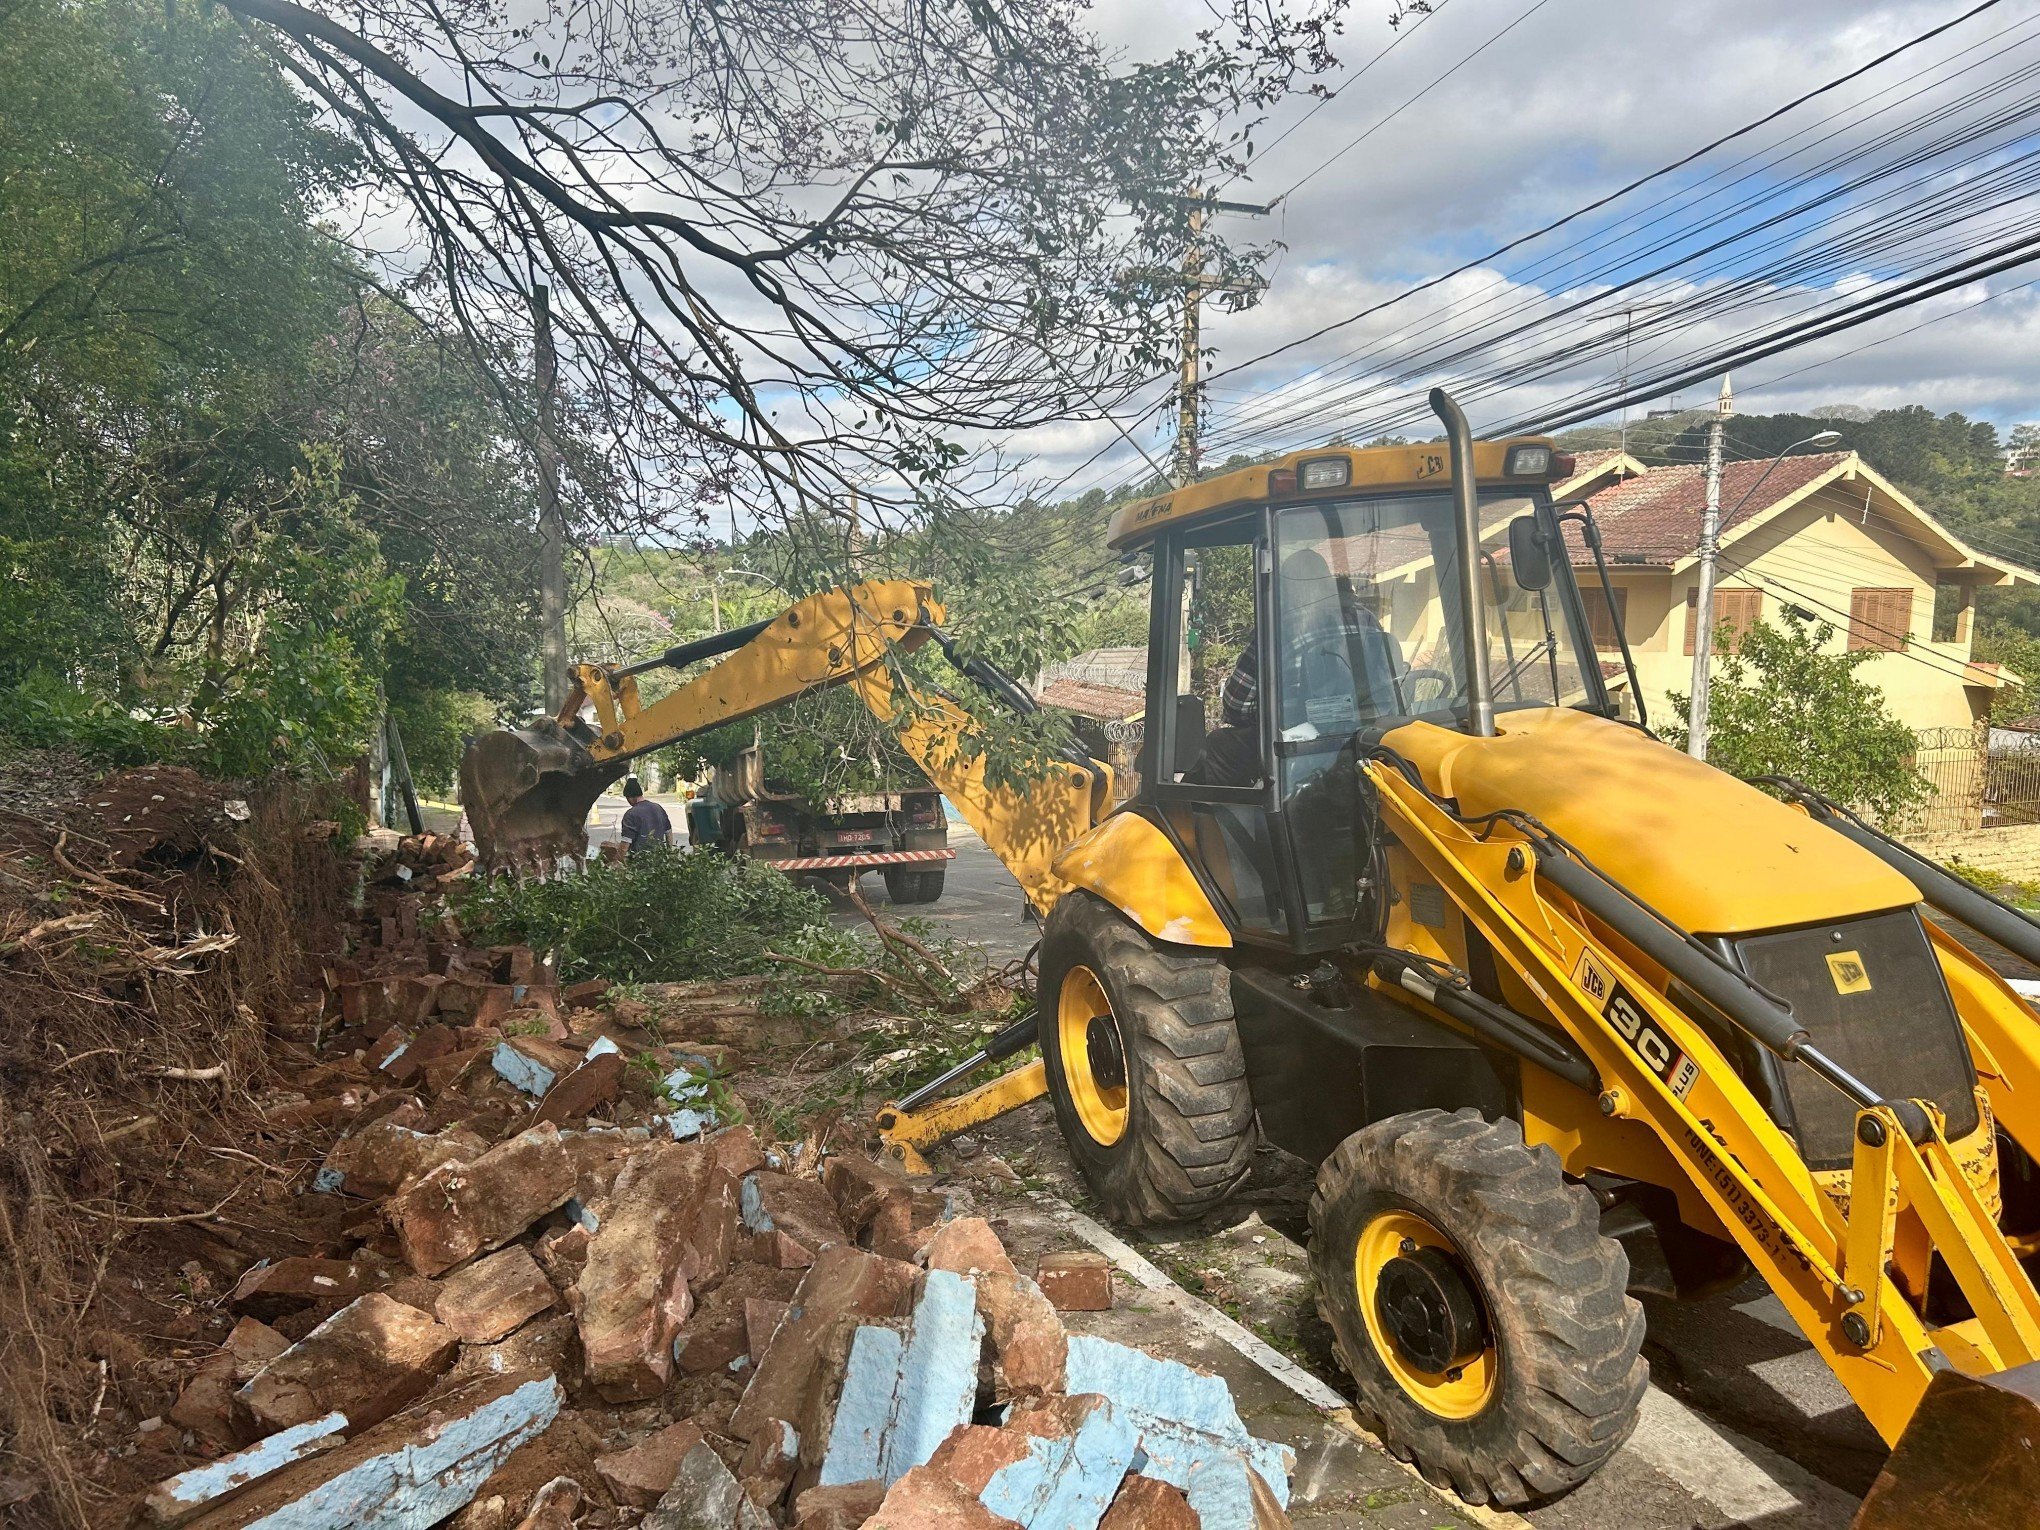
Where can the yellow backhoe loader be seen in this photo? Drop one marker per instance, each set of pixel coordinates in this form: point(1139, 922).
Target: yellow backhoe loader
point(1425, 909)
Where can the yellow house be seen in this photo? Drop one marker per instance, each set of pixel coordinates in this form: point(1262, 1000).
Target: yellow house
point(1824, 534)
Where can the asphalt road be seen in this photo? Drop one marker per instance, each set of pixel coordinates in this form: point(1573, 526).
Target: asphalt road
point(1744, 1424)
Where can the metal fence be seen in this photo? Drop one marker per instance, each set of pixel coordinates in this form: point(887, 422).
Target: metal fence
point(1977, 783)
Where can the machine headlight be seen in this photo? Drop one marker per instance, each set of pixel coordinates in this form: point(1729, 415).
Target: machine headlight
point(1527, 462)
point(1325, 473)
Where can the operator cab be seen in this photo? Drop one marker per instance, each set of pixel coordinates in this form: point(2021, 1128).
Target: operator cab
point(1303, 608)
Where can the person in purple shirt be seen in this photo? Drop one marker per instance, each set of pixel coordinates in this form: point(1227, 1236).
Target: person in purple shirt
point(644, 821)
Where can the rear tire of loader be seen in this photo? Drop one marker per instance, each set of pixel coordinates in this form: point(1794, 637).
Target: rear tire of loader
point(1484, 1319)
point(1145, 1067)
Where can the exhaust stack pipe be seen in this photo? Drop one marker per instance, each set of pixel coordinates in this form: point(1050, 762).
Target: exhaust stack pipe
point(1480, 701)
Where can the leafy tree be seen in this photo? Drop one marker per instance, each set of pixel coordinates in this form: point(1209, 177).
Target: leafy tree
point(1782, 703)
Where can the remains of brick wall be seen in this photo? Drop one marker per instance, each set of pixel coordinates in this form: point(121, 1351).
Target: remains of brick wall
point(2012, 851)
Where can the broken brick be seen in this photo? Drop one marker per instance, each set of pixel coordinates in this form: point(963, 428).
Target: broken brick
point(367, 1360)
point(179, 1497)
point(800, 1211)
point(206, 1405)
point(561, 1253)
point(587, 991)
point(1079, 1280)
point(925, 1499)
point(387, 1154)
point(494, 1296)
point(967, 1246)
point(881, 1208)
point(533, 1063)
point(1145, 1504)
point(761, 1317)
point(1030, 1347)
point(737, 1150)
point(706, 1346)
point(843, 1507)
point(589, 1087)
point(844, 1282)
point(641, 1475)
point(458, 1210)
point(296, 1279)
point(633, 1293)
point(769, 1463)
point(553, 1506)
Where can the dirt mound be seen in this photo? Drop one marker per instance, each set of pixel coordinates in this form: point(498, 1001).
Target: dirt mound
point(159, 815)
point(154, 931)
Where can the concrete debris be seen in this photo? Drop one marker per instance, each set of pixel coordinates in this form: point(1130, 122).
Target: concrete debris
point(178, 1498)
point(552, 1506)
point(367, 1360)
point(752, 1339)
point(642, 1475)
point(410, 1471)
point(705, 1495)
point(1191, 1434)
point(903, 1389)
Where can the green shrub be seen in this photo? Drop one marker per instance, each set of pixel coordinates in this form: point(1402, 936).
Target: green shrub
point(658, 917)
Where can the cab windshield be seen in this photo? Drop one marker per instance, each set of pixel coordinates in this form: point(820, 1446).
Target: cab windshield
point(1369, 625)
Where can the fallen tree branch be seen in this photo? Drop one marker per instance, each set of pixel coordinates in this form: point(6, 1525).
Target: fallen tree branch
point(182, 1217)
point(194, 1075)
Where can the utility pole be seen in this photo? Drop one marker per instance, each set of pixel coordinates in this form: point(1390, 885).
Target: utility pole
point(1189, 399)
point(1710, 556)
point(1184, 466)
point(552, 525)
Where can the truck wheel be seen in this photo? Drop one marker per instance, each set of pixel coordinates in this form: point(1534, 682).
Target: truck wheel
point(1484, 1319)
point(903, 885)
point(1144, 1066)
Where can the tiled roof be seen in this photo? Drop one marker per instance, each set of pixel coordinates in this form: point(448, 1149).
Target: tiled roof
point(1655, 518)
point(1585, 463)
point(1107, 703)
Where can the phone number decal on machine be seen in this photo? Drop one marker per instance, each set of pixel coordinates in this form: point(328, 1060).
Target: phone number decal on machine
point(1657, 1050)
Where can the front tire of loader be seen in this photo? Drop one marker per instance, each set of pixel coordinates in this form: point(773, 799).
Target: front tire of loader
point(1484, 1319)
point(1144, 1064)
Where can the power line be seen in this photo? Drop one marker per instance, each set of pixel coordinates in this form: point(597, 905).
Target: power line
point(1401, 37)
point(1600, 202)
point(1377, 126)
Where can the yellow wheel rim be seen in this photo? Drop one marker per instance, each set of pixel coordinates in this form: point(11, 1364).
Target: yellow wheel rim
point(1458, 1393)
point(1093, 1056)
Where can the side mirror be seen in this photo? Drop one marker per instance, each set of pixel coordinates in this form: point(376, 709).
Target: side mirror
point(1528, 555)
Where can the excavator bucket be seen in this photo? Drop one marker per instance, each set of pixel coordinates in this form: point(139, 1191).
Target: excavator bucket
point(1970, 1457)
point(527, 792)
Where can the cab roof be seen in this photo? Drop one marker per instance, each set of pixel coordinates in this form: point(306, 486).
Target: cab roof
point(1371, 469)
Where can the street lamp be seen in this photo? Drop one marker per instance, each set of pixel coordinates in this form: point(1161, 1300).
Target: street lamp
point(1703, 609)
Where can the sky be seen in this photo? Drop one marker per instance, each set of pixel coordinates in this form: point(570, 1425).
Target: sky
point(1572, 100)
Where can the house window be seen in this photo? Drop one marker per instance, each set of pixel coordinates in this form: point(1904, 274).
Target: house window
point(1735, 612)
point(1607, 630)
point(1880, 619)
point(1951, 610)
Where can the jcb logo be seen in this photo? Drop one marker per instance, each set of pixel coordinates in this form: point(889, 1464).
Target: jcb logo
point(1657, 1050)
point(1430, 465)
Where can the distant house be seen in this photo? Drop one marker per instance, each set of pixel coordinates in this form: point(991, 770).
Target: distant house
point(1826, 535)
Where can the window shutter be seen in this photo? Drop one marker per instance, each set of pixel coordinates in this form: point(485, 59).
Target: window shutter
point(1606, 633)
point(1735, 612)
point(1880, 619)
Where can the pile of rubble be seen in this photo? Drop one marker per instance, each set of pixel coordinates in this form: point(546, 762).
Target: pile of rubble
point(569, 1293)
